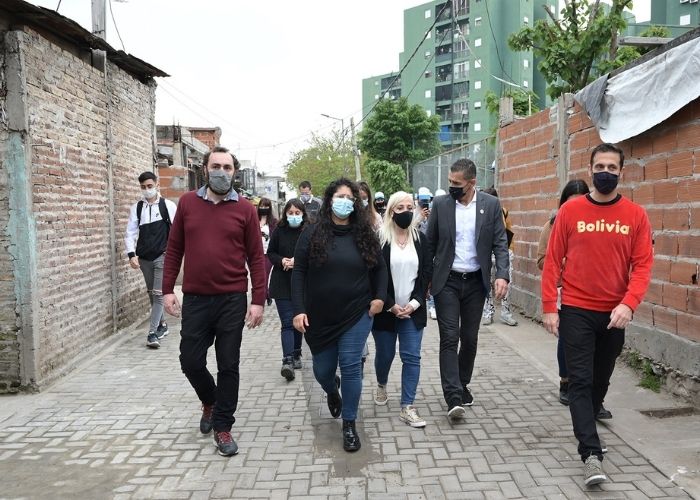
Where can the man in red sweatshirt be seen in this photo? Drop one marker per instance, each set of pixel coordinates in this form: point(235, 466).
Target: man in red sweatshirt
point(217, 232)
point(601, 249)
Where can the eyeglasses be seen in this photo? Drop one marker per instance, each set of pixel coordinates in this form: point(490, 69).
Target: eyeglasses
point(344, 196)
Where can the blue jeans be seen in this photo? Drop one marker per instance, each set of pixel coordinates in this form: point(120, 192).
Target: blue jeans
point(347, 353)
point(410, 339)
point(291, 338)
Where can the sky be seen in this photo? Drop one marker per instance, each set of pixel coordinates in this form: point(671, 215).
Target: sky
point(264, 72)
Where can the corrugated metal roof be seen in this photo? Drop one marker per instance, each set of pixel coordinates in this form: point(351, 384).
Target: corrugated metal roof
point(27, 14)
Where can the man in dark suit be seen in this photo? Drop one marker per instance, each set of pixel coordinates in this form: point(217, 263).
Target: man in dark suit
point(464, 229)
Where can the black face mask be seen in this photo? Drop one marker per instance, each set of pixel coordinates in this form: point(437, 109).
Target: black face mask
point(456, 192)
point(605, 182)
point(404, 219)
point(263, 210)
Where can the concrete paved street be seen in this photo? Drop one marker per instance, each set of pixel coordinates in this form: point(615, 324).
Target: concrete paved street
point(126, 426)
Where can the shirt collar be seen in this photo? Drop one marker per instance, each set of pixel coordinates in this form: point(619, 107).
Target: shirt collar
point(476, 193)
point(231, 196)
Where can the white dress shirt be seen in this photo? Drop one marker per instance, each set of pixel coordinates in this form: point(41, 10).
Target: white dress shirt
point(404, 271)
point(466, 260)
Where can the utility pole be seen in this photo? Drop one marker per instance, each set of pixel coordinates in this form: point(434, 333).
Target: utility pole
point(99, 29)
point(355, 151)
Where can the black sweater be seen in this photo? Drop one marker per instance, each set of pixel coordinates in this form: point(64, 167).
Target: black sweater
point(386, 321)
point(335, 295)
point(282, 243)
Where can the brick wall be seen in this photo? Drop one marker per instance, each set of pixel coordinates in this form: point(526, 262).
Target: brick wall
point(662, 173)
point(80, 127)
point(174, 181)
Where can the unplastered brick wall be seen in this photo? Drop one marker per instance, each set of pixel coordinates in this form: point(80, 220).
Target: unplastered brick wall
point(662, 173)
point(80, 126)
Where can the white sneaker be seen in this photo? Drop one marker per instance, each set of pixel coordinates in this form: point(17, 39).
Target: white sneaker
point(456, 413)
point(486, 320)
point(410, 416)
point(380, 395)
point(433, 313)
point(593, 471)
point(507, 318)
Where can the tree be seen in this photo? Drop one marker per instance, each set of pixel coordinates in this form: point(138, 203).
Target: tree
point(398, 132)
point(626, 55)
point(386, 177)
point(524, 103)
point(572, 48)
point(324, 160)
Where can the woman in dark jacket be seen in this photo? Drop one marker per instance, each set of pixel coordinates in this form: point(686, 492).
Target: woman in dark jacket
point(409, 262)
point(280, 251)
point(338, 285)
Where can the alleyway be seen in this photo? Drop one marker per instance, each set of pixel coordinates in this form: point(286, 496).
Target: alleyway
point(126, 426)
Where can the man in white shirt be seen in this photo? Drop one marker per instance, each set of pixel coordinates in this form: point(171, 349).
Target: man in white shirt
point(464, 230)
point(146, 240)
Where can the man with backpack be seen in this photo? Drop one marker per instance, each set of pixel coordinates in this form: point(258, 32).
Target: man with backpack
point(146, 240)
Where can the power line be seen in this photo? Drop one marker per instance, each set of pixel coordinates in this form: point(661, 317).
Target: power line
point(111, 13)
point(59, 5)
point(428, 64)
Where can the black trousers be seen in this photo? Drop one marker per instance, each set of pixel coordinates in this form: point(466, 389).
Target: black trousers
point(591, 350)
point(458, 306)
point(207, 319)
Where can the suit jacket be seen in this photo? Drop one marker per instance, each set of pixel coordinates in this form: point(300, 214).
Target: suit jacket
point(385, 320)
point(490, 239)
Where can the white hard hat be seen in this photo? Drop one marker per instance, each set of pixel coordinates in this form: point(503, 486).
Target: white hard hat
point(424, 190)
point(439, 192)
point(378, 194)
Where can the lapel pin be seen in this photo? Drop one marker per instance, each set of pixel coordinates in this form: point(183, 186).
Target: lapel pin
point(481, 211)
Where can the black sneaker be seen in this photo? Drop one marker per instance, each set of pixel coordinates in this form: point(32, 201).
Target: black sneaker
point(467, 398)
point(564, 393)
point(225, 443)
point(287, 369)
point(205, 423)
point(335, 401)
point(603, 414)
point(162, 330)
point(296, 361)
point(152, 340)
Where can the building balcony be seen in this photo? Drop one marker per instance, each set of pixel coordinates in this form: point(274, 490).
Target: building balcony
point(443, 78)
point(443, 58)
point(461, 75)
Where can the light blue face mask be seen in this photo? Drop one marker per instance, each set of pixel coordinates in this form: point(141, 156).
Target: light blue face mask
point(342, 207)
point(295, 220)
point(365, 203)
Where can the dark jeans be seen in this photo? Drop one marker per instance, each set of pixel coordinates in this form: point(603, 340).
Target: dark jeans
point(561, 359)
point(591, 350)
point(346, 353)
point(291, 338)
point(207, 319)
point(459, 306)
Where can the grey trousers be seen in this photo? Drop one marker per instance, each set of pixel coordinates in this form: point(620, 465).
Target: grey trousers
point(153, 274)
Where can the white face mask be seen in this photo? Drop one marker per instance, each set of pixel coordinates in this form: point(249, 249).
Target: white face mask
point(150, 193)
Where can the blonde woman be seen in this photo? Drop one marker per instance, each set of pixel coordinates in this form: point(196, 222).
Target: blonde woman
point(409, 262)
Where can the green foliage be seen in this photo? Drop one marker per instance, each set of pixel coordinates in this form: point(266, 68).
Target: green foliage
point(386, 177)
point(650, 380)
point(524, 103)
point(397, 132)
point(570, 47)
point(626, 55)
point(326, 159)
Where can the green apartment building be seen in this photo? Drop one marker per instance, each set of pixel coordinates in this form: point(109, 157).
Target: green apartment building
point(464, 56)
point(679, 16)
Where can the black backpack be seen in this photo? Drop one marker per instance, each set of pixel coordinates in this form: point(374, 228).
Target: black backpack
point(162, 208)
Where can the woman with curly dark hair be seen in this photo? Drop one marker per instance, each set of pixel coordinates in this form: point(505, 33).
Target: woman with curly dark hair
point(339, 283)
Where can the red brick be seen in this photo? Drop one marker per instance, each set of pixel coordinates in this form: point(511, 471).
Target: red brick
point(665, 142)
point(643, 314)
point(689, 136)
point(680, 164)
point(655, 217)
point(689, 190)
point(688, 326)
point(641, 147)
point(665, 319)
point(683, 272)
point(675, 297)
point(694, 300)
point(689, 245)
point(676, 219)
point(665, 192)
point(655, 169)
point(579, 141)
point(654, 292)
point(666, 244)
point(632, 173)
point(661, 269)
point(644, 194)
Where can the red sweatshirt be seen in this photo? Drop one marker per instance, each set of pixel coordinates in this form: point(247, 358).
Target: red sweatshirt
point(217, 240)
point(608, 251)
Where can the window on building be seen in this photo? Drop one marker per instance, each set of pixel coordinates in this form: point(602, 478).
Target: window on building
point(477, 85)
point(427, 54)
point(685, 20)
point(477, 63)
point(525, 84)
point(377, 82)
point(477, 104)
point(376, 96)
point(477, 21)
point(428, 94)
point(526, 63)
point(428, 112)
point(428, 14)
point(428, 74)
point(428, 34)
point(477, 42)
point(477, 127)
point(526, 20)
